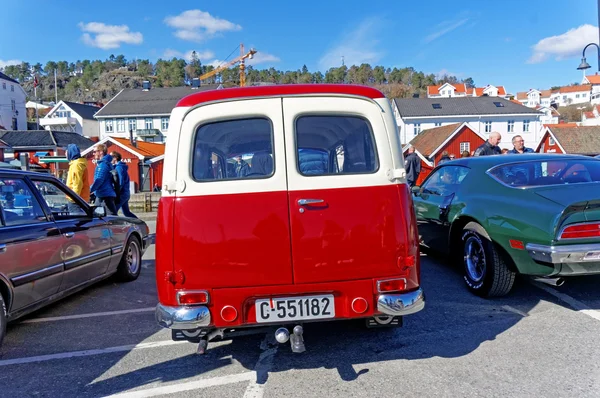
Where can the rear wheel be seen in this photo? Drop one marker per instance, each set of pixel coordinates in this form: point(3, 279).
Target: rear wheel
point(485, 269)
point(131, 262)
point(2, 320)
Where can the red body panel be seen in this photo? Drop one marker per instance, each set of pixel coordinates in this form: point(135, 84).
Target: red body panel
point(358, 234)
point(279, 90)
point(164, 250)
point(233, 240)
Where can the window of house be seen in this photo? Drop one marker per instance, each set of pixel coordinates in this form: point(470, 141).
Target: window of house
point(437, 124)
point(584, 95)
point(121, 125)
point(4, 86)
point(109, 126)
point(525, 126)
point(12, 87)
point(551, 141)
point(511, 126)
point(13, 105)
point(416, 128)
point(233, 149)
point(148, 123)
point(164, 123)
point(335, 145)
point(465, 146)
point(132, 124)
point(488, 127)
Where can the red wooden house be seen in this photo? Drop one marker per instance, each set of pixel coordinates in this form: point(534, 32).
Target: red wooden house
point(430, 144)
point(575, 140)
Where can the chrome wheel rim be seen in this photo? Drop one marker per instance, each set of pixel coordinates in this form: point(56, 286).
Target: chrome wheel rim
point(475, 259)
point(133, 257)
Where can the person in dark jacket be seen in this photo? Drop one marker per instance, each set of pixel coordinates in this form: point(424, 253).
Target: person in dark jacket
point(412, 165)
point(519, 146)
point(262, 164)
point(125, 193)
point(242, 168)
point(490, 147)
point(102, 187)
point(445, 158)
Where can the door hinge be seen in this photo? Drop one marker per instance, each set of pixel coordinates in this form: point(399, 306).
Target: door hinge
point(395, 174)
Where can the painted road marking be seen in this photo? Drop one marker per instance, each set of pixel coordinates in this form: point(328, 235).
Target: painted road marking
point(256, 388)
point(576, 304)
point(514, 310)
point(87, 353)
point(90, 315)
point(189, 386)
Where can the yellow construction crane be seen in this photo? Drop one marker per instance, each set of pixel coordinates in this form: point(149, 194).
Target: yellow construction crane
point(240, 59)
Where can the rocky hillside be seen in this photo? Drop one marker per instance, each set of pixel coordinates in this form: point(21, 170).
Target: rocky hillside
point(74, 88)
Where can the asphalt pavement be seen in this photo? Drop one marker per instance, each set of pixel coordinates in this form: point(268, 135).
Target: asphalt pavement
point(539, 341)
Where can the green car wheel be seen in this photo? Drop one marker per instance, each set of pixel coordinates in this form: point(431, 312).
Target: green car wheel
point(486, 271)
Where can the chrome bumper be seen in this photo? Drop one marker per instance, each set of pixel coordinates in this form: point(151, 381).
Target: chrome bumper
point(182, 318)
point(402, 303)
point(564, 254)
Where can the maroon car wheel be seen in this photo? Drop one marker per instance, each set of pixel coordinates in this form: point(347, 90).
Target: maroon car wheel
point(486, 272)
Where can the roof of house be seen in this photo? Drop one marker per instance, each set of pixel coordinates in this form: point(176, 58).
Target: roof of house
point(142, 149)
point(561, 125)
point(458, 88)
point(428, 140)
point(582, 140)
point(43, 138)
point(589, 115)
point(546, 93)
point(10, 79)
point(156, 101)
point(593, 79)
point(575, 89)
point(522, 95)
point(478, 91)
point(422, 107)
point(85, 111)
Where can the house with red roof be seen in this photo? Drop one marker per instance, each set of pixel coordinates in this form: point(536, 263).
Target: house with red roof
point(568, 139)
point(448, 90)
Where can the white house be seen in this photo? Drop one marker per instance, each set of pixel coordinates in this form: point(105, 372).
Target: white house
point(73, 117)
point(594, 81)
point(13, 115)
point(484, 115)
point(563, 96)
point(591, 118)
point(550, 115)
point(144, 113)
point(448, 90)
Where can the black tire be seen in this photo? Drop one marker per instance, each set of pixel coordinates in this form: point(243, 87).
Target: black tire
point(2, 320)
point(486, 271)
point(131, 263)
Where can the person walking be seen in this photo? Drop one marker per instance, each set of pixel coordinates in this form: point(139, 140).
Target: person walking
point(490, 147)
point(519, 146)
point(77, 177)
point(125, 193)
point(102, 187)
point(412, 165)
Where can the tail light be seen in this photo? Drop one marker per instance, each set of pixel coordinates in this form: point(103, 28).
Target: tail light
point(391, 285)
point(192, 297)
point(581, 231)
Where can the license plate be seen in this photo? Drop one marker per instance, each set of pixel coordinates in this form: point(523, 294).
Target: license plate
point(295, 308)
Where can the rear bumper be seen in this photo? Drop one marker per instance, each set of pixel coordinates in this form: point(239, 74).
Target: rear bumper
point(182, 318)
point(401, 304)
point(568, 259)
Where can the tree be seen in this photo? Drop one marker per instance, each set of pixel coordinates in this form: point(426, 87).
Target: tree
point(379, 74)
point(50, 67)
point(144, 68)
point(37, 68)
point(194, 68)
point(62, 68)
point(469, 82)
point(318, 77)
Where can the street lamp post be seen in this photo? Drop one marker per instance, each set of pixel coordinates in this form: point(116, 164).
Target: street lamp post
point(584, 65)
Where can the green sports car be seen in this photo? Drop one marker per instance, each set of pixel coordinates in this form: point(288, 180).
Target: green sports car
point(498, 216)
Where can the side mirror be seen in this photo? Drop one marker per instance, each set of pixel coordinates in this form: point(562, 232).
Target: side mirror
point(416, 190)
point(99, 211)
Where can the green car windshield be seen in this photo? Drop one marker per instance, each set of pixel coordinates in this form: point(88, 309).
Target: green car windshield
point(547, 172)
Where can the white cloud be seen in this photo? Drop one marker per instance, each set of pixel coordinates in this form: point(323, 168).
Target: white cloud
point(357, 47)
point(4, 64)
point(262, 58)
point(202, 55)
point(446, 72)
point(444, 28)
point(566, 45)
point(197, 25)
point(108, 36)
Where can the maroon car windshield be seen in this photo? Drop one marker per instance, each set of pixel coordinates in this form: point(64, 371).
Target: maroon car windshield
point(547, 172)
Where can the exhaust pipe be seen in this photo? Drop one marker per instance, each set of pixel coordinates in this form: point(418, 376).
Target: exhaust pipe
point(551, 281)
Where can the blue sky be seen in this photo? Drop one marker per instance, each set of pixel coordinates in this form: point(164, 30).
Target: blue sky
point(520, 44)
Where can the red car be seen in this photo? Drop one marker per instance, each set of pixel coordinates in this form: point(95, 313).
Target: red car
point(321, 227)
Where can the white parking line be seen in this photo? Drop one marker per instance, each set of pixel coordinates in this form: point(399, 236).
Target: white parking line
point(192, 385)
point(90, 315)
point(256, 388)
point(87, 353)
point(514, 310)
point(576, 304)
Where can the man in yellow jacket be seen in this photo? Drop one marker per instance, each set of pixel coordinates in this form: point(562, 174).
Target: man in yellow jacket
point(77, 178)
